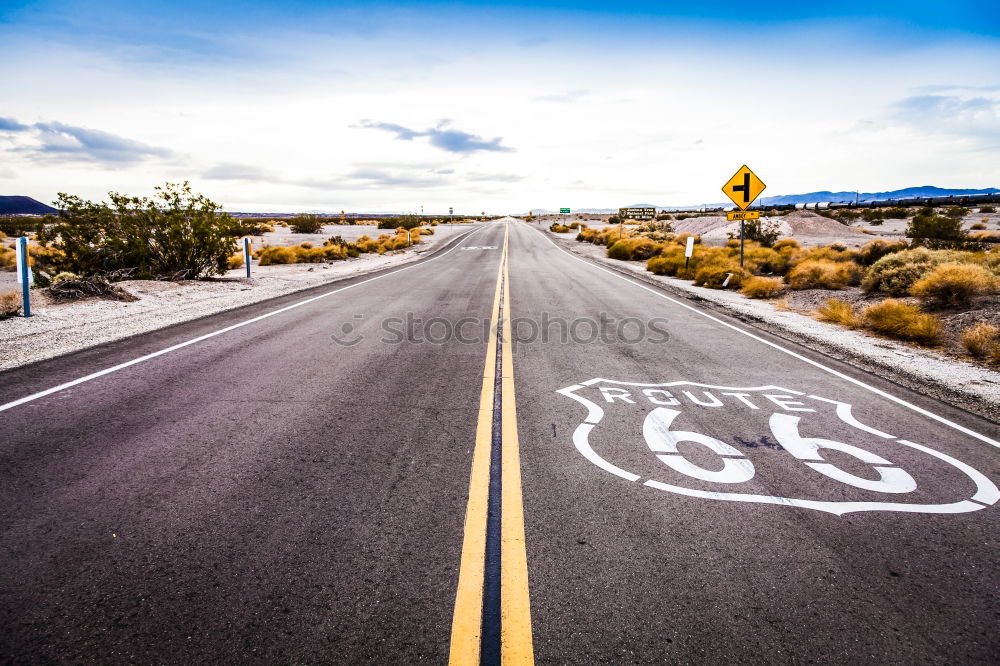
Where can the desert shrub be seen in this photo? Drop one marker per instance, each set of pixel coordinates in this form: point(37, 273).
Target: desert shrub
point(876, 249)
point(558, 228)
point(895, 273)
point(713, 275)
point(638, 249)
point(987, 209)
point(936, 231)
point(10, 304)
point(278, 255)
point(985, 236)
point(664, 216)
point(306, 224)
point(840, 312)
point(251, 226)
point(22, 226)
point(846, 216)
point(78, 287)
point(175, 235)
point(978, 226)
point(765, 260)
point(404, 221)
point(8, 258)
point(765, 232)
point(896, 213)
point(981, 339)
point(234, 261)
point(669, 262)
point(283, 224)
point(874, 216)
point(762, 287)
point(954, 284)
point(903, 321)
point(956, 212)
point(823, 274)
point(785, 245)
point(682, 239)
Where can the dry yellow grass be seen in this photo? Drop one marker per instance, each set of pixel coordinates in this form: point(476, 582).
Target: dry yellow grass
point(954, 284)
point(901, 320)
point(981, 340)
point(762, 287)
point(840, 312)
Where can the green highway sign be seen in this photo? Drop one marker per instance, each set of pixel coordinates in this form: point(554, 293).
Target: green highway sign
point(564, 211)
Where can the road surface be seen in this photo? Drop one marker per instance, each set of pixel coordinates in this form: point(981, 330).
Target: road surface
point(370, 473)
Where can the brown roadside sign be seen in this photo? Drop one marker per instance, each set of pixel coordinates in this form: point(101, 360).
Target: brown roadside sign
point(743, 187)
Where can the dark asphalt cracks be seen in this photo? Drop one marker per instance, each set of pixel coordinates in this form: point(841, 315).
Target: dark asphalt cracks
point(691, 494)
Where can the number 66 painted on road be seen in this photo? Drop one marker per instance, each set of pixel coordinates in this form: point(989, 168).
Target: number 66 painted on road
point(736, 468)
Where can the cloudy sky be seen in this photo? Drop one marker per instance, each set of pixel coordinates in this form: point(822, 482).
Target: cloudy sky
point(496, 106)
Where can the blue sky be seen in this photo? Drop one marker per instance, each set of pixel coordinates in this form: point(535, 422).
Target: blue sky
point(390, 106)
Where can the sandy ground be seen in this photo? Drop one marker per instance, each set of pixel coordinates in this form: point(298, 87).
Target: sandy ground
point(56, 329)
point(960, 382)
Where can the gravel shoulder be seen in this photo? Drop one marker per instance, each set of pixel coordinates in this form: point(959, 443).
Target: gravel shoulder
point(58, 329)
point(957, 382)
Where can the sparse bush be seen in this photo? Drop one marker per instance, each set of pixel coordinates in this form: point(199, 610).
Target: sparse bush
point(979, 225)
point(638, 249)
point(765, 260)
point(174, 235)
point(306, 224)
point(10, 304)
point(8, 258)
point(715, 275)
point(903, 321)
point(91, 286)
point(840, 312)
point(936, 231)
point(786, 244)
point(403, 221)
point(558, 228)
point(987, 209)
point(762, 287)
point(670, 262)
point(878, 248)
point(235, 261)
point(765, 232)
point(823, 274)
point(954, 284)
point(874, 216)
point(985, 236)
point(895, 273)
point(981, 339)
point(896, 213)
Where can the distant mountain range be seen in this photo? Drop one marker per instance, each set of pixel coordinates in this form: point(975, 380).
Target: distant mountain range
point(809, 197)
point(23, 206)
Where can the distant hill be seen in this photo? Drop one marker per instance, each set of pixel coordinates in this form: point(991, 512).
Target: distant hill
point(23, 206)
point(922, 191)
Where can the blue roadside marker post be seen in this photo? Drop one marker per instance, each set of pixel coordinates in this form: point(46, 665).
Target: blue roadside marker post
point(246, 254)
point(24, 275)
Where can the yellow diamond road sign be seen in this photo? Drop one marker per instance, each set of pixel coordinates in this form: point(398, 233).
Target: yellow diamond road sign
point(743, 187)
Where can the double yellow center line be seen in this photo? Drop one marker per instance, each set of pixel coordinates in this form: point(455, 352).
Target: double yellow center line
point(515, 611)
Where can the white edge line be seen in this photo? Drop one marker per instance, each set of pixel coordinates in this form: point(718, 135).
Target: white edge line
point(899, 401)
point(200, 338)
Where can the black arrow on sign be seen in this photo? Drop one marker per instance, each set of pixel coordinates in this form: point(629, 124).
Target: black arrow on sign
point(744, 188)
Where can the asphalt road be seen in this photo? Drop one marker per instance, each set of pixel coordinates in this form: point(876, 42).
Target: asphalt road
point(302, 488)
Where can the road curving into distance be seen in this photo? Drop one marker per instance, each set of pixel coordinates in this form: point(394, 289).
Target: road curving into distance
point(375, 472)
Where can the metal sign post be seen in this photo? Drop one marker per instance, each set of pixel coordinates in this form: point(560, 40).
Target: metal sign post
point(742, 189)
point(246, 254)
point(24, 276)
